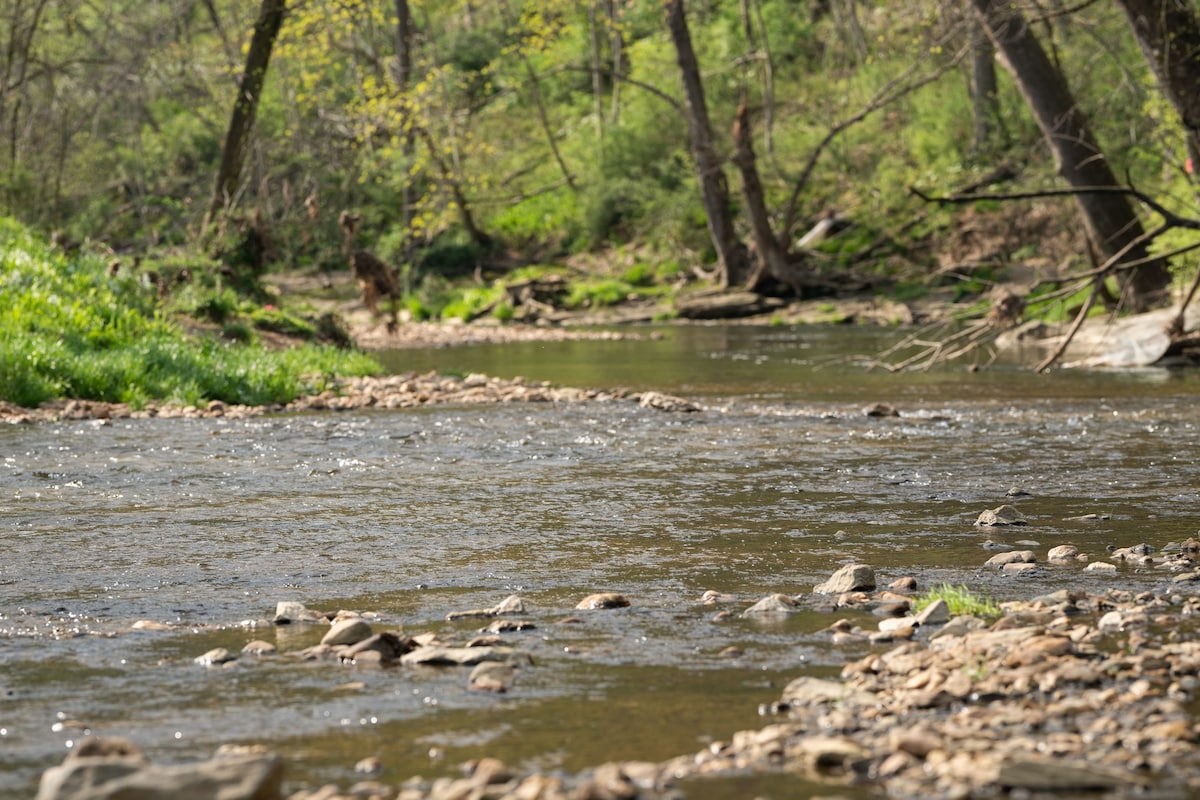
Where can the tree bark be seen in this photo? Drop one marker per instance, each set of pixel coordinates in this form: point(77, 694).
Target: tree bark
point(1110, 220)
point(1169, 35)
point(772, 256)
point(241, 121)
point(408, 199)
point(985, 103)
point(732, 261)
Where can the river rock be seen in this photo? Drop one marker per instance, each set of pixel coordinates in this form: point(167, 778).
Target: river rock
point(1056, 776)
point(255, 776)
point(771, 604)
point(513, 604)
point(1001, 515)
point(850, 578)
point(1102, 567)
point(465, 656)
point(349, 631)
point(291, 611)
point(936, 613)
point(216, 657)
point(1064, 552)
point(807, 691)
point(1011, 557)
point(665, 402)
point(387, 646)
point(260, 648)
point(603, 600)
point(492, 676)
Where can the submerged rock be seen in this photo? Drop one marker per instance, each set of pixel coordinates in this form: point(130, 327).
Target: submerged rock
point(513, 604)
point(1001, 515)
point(603, 600)
point(771, 604)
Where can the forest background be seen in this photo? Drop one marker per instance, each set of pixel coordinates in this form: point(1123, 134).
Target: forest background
point(473, 145)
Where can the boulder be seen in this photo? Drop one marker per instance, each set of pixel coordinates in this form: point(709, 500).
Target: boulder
point(1001, 515)
point(850, 578)
point(126, 776)
point(771, 604)
point(349, 631)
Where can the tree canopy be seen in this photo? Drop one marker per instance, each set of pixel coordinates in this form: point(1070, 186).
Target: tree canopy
point(474, 135)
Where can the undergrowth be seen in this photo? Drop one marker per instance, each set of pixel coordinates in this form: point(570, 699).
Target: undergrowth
point(70, 329)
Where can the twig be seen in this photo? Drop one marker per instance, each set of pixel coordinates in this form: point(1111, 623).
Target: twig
point(1075, 326)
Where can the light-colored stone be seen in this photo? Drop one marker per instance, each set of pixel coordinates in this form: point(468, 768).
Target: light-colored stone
point(603, 600)
point(465, 656)
point(1001, 515)
point(771, 604)
point(849, 578)
point(1101, 566)
point(349, 631)
point(936, 613)
point(1064, 552)
point(244, 777)
point(292, 611)
point(1011, 557)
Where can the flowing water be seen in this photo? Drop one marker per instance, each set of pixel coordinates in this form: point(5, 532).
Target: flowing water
point(206, 524)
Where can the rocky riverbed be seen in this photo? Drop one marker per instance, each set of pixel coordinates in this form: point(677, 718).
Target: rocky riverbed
point(1069, 694)
point(385, 392)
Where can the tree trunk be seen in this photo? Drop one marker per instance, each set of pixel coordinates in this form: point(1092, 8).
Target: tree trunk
point(241, 121)
point(408, 200)
point(714, 190)
point(1110, 219)
point(1169, 35)
point(985, 104)
point(772, 256)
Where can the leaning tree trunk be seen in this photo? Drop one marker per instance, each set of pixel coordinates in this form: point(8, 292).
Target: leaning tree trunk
point(241, 121)
point(1109, 218)
point(772, 256)
point(1169, 34)
point(714, 190)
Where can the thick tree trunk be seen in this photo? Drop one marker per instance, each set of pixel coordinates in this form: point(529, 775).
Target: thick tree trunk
point(772, 256)
point(714, 190)
point(241, 121)
point(1169, 34)
point(1110, 219)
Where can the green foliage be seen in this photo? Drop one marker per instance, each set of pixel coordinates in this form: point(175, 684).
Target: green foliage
point(70, 329)
point(472, 302)
point(961, 600)
point(596, 294)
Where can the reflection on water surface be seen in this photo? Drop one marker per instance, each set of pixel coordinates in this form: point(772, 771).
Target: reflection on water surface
point(205, 524)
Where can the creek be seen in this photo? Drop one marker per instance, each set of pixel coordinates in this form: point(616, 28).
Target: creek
point(204, 524)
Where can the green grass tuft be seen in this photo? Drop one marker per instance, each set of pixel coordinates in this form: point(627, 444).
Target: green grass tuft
point(961, 600)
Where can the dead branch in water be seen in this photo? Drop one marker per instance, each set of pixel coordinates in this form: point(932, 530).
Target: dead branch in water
point(946, 341)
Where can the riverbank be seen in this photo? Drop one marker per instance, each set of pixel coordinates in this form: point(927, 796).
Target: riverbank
point(408, 390)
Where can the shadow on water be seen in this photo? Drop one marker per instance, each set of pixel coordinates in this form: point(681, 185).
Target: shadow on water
point(205, 524)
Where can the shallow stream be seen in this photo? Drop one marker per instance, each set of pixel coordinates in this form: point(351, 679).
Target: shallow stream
point(206, 524)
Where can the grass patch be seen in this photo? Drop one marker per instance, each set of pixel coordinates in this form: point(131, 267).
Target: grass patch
point(70, 329)
point(961, 600)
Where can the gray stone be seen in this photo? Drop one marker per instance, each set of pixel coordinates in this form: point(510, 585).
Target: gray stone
point(936, 613)
point(243, 777)
point(1064, 552)
point(850, 578)
point(291, 611)
point(348, 631)
point(1001, 515)
point(806, 691)
point(465, 656)
point(771, 604)
point(603, 600)
point(1011, 557)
